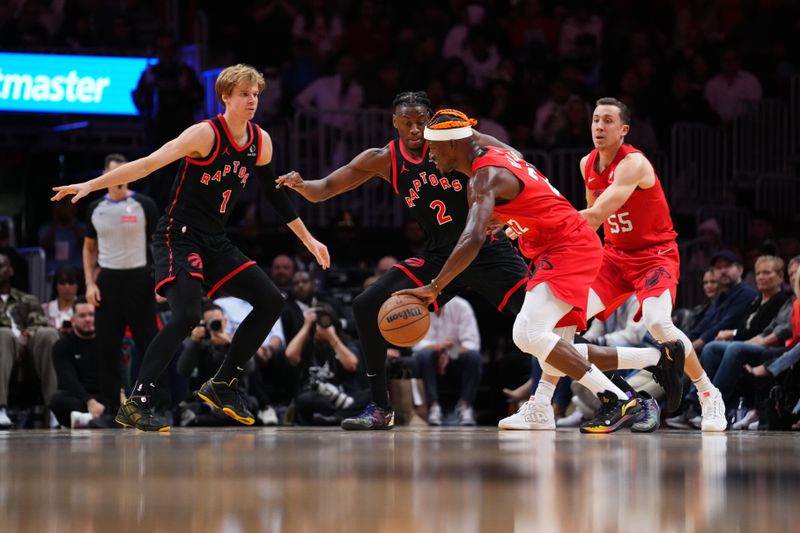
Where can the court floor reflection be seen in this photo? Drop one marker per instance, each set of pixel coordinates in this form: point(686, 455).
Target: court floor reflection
point(421, 480)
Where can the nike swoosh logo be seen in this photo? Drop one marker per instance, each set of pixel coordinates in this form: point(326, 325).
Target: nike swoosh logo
point(662, 252)
point(371, 375)
point(591, 179)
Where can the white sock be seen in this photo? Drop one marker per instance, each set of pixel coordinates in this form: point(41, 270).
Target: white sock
point(635, 358)
point(703, 384)
point(544, 393)
point(597, 382)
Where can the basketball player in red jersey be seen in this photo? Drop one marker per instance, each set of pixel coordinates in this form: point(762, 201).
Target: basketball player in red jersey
point(191, 249)
point(640, 256)
point(566, 251)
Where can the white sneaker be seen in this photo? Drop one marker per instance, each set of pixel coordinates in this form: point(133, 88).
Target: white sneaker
point(749, 418)
point(572, 421)
point(532, 416)
point(5, 422)
point(268, 416)
point(78, 420)
point(54, 424)
point(435, 415)
point(466, 417)
point(713, 411)
point(753, 426)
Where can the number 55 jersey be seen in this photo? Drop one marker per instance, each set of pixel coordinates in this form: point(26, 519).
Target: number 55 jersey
point(640, 254)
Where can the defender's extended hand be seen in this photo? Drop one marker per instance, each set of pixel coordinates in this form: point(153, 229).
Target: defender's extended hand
point(78, 189)
point(320, 252)
point(292, 179)
point(427, 293)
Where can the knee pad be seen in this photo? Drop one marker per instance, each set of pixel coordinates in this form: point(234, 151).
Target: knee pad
point(535, 342)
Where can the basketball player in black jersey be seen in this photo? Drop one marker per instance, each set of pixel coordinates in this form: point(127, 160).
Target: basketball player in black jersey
point(191, 249)
point(439, 203)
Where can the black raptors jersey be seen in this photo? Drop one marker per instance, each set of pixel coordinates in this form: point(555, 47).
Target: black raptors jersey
point(438, 203)
point(205, 190)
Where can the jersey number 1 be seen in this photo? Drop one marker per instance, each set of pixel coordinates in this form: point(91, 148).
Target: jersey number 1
point(441, 218)
point(225, 197)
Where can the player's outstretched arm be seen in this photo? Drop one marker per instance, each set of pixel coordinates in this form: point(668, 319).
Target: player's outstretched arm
point(481, 195)
point(369, 163)
point(631, 173)
point(281, 204)
point(195, 141)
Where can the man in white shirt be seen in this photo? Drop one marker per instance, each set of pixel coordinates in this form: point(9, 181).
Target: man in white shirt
point(453, 340)
point(727, 88)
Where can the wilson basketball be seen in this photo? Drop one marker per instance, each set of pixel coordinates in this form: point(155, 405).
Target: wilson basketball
point(403, 320)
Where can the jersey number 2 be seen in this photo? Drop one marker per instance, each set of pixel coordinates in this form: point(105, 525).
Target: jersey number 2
point(225, 197)
point(441, 218)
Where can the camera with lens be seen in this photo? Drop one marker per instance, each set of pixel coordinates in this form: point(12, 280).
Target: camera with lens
point(324, 317)
point(214, 325)
point(319, 381)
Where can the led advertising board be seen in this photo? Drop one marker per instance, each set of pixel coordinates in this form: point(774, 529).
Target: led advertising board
point(45, 83)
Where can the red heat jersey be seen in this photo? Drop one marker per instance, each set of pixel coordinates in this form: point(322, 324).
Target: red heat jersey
point(643, 220)
point(539, 214)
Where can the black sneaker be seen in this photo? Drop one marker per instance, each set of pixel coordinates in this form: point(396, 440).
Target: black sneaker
point(137, 413)
point(372, 417)
point(614, 414)
point(669, 372)
point(227, 398)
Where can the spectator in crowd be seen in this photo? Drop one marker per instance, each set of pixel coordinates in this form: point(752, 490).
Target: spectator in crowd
point(707, 243)
point(203, 352)
point(384, 264)
point(168, 94)
point(320, 25)
point(726, 359)
point(281, 272)
point(552, 115)
point(620, 328)
point(77, 402)
point(732, 85)
point(117, 265)
point(732, 303)
point(67, 285)
point(332, 377)
point(686, 319)
point(62, 238)
point(24, 329)
point(18, 262)
point(334, 93)
point(452, 341)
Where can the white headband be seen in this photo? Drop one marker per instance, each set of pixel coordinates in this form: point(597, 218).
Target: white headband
point(452, 134)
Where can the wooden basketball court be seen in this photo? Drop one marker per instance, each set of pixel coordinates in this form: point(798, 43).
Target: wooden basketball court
point(416, 480)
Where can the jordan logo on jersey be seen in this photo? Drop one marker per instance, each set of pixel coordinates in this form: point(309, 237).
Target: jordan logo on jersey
point(227, 169)
point(403, 168)
point(195, 260)
point(433, 181)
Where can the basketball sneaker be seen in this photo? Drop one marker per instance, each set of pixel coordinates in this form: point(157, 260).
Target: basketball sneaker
point(227, 398)
point(669, 372)
point(614, 414)
point(712, 408)
point(435, 415)
point(651, 417)
point(372, 417)
point(532, 416)
point(137, 413)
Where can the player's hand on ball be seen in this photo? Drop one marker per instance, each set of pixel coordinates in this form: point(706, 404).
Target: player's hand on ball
point(320, 252)
point(292, 179)
point(427, 293)
point(79, 190)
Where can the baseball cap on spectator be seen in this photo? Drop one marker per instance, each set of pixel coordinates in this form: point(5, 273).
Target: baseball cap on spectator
point(726, 254)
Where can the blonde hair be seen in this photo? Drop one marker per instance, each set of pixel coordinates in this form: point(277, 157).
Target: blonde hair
point(232, 76)
point(777, 262)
